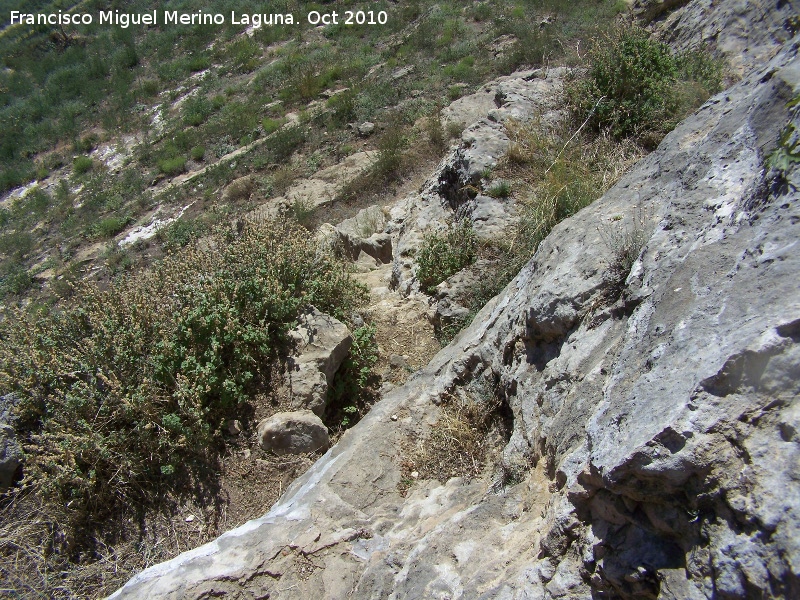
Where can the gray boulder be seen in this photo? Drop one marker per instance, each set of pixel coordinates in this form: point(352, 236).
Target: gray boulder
point(350, 245)
point(322, 344)
point(378, 246)
point(366, 128)
point(296, 432)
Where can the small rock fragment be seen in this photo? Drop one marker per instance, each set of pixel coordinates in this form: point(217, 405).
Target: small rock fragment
point(366, 128)
point(234, 427)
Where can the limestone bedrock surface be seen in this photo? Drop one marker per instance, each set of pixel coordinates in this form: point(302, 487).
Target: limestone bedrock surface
point(656, 422)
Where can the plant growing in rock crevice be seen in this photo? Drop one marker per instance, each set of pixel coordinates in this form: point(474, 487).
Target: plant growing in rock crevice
point(625, 241)
point(445, 254)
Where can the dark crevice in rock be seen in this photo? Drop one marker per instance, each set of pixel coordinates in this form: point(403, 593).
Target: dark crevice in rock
point(790, 330)
point(452, 185)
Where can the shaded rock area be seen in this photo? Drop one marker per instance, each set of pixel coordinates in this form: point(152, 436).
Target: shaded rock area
point(295, 432)
point(654, 448)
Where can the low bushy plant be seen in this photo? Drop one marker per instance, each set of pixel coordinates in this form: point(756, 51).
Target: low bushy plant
point(271, 125)
point(445, 254)
point(82, 164)
point(108, 226)
point(172, 166)
point(285, 141)
point(196, 110)
point(635, 86)
point(198, 153)
point(499, 189)
point(343, 108)
point(390, 154)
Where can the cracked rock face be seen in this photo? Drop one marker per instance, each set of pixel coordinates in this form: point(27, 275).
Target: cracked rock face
point(655, 450)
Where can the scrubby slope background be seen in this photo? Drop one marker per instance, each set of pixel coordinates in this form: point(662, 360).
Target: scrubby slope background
point(652, 449)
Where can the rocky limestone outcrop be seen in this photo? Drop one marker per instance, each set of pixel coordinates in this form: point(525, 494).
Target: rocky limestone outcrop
point(322, 343)
point(745, 33)
point(655, 449)
point(453, 190)
point(296, 432)
point(333, 239)
point(320, 189)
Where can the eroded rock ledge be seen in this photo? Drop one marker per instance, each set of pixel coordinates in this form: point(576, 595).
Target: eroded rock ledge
point(655, 423)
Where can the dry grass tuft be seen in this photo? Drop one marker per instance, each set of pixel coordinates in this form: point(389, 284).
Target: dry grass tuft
point(466, 440)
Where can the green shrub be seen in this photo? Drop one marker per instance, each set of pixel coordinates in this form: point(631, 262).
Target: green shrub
point(285, 141)
point(390, 153)
point(199, 62)
point(16, 243)
point(435, 130)
point(181, 233)
point(461, 71)
point(172, 166)
point(198, 152)
point(444, 255)
point(454, 92)
point(343, 108)
point(14, 279)
point(108, 227)
point(124, 392)
point(196, 110)
point(636, 87)
point(148, 88)
point(82, 164)
point(243, 54)
point(271, 125)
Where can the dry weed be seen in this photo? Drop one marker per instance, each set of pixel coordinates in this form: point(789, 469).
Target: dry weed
point(471, 431)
